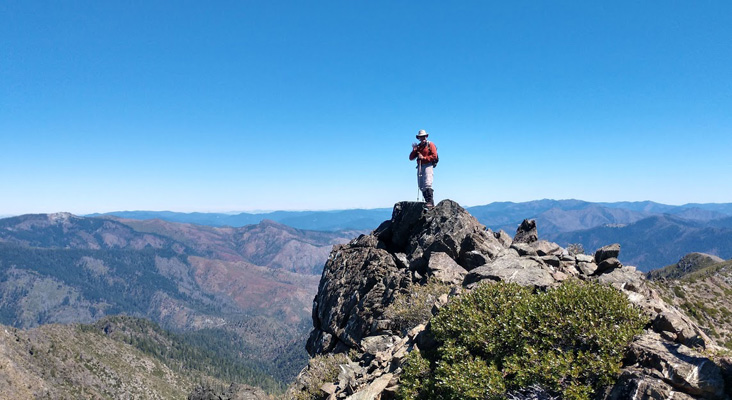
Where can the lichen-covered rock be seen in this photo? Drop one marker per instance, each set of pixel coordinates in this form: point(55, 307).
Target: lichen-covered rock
point(357, 284)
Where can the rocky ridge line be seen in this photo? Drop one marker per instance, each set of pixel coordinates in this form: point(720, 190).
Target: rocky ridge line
point(362, 278)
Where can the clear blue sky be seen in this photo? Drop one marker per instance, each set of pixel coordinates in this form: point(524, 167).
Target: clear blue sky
point(263, 105)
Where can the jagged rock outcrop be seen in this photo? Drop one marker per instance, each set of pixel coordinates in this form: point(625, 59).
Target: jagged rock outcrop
point(526, 232)
point(358, 281)
point(361, 279)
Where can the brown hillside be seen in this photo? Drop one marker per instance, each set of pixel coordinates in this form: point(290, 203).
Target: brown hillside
point(258, 289)
point(267, 244)
point(62, 362)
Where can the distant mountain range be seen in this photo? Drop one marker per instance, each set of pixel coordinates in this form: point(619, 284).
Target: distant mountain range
point(553, 215)
point(651, 234)
point(312, 220)
point(241, 284)
point(657, 241)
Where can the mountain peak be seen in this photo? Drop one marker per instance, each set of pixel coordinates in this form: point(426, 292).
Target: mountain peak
point(61, 217)
point(362, 279)
point(269, 222)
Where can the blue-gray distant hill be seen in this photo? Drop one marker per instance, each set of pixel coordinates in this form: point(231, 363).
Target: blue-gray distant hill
point(652, 234)
point(553, 216)
point(657, 241)
point(355, 219)
point(556, 216)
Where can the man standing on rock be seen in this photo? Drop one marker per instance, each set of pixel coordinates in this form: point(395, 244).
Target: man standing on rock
point(426, 154)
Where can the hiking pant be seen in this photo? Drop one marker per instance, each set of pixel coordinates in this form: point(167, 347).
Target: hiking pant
point(425, 176)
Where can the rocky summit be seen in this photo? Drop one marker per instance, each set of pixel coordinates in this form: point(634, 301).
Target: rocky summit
point(446, 244)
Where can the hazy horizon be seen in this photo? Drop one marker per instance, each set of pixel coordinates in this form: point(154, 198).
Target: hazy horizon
point(336, 210)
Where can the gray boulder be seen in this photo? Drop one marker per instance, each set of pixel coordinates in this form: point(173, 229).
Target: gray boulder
point(521, 270)
point(608, 264)
point(605, 252)
point(636, 384)
point(584, 258)
point(678, 366)
point(553, 261)
point(405, 218)
point(503, 238)
point(587, 268)
point(478, 248)
point(673, 325)
point(545, 248)
point(524, 249)
point(445, 269)
point(726, 364)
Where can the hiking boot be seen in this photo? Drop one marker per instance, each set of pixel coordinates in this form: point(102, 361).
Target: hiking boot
point(429, 198)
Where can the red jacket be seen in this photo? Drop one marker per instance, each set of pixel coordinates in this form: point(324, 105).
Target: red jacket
point(429, 152)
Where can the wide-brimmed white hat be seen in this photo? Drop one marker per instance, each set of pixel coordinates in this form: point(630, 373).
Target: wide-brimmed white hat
point(422, 133)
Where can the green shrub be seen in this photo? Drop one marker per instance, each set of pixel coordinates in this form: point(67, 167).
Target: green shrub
point(414, 306)
point(459, 371)
point(499, 337)
point(691, 310)
point(679, 292)
point(416, 370)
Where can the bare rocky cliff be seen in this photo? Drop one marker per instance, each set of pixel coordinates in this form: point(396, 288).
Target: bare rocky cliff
point(362, 278)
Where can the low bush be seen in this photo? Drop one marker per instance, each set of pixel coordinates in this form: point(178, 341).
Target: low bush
point(502, 337)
